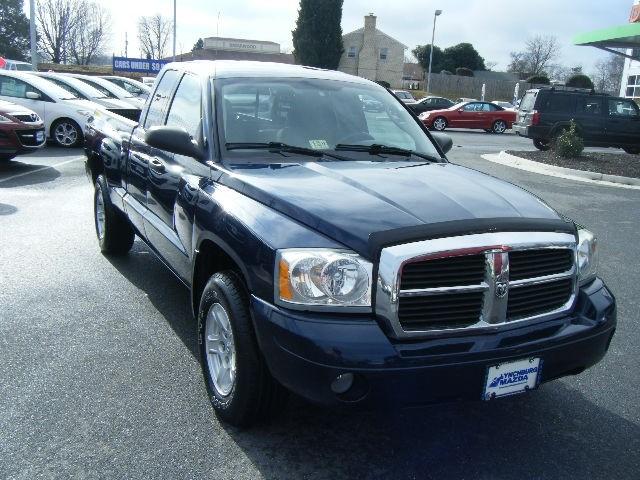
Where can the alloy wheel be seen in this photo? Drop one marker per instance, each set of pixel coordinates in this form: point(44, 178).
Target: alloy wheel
point(220, 350)
point(100, 213)
point(66, 134)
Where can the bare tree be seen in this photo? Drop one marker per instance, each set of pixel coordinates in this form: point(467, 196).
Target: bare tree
point(56, 19)
point(540, 52)
point(153, 34)
point(608, 74)
point(90, 34)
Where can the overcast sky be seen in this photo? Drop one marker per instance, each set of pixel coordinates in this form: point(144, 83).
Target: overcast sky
point(494, 27)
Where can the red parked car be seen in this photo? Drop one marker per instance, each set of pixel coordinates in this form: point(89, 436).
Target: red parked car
point(21, 130)
point(486, 115)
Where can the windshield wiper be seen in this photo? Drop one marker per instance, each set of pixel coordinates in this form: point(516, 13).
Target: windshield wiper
point(377, 149)
point(278, 147)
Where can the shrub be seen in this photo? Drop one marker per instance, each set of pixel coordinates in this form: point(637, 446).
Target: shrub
point(539, 79)
point(579, 81)
point(464, 72)
point(569, 144)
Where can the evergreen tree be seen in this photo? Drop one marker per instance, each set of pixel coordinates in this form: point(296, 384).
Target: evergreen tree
point(317, 38)
point(199, 45)
point(14, 30)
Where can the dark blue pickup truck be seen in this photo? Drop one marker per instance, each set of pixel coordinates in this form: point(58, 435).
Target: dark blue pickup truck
point(331, 249)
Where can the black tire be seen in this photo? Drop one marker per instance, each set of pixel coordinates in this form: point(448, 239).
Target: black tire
point(439, 124)
point(5, 157)
point(66, 133)
point(488, 130)
point(542, 145)
point(499, 126)
point(117, 234)
point(254, 395)
point(632, 150)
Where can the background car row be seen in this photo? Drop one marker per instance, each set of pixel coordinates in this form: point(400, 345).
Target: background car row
point(65, 101)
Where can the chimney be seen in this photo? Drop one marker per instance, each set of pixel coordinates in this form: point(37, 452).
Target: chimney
point(370, 23)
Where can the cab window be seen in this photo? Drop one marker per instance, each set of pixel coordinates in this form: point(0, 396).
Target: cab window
point(155, 114)
point(185, 110)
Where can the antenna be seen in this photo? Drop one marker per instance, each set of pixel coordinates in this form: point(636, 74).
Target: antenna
point(126, 45)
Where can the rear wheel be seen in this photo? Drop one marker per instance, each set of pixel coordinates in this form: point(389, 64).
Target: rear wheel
point(632, 150)
point(66, 133)
point(541, 144)
point(499, 126)
point(114, 232)
point(240, 387)
point(440, 123)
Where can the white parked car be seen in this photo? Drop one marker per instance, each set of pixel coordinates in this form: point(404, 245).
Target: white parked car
point(132, 86)
point(85, 91)
point(17, 65)
point(64, 115)
point(149, 81)
point(111, 90)
point(505, 105)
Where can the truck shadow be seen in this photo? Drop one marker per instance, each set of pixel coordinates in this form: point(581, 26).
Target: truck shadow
point(555, 432)
point(167, 294)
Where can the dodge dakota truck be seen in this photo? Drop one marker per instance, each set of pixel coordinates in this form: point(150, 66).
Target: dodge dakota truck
point(331, 250)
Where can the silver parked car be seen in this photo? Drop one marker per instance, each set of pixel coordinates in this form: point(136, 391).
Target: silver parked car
point(134, 87)
point(111, 90)
point(85, 91)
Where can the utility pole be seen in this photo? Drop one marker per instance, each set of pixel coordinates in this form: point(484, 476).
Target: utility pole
point(126, 44)
point(433, 35)
point(32, 33)
point(174, 30)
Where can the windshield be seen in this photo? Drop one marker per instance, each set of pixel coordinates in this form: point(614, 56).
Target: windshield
point(316, 114)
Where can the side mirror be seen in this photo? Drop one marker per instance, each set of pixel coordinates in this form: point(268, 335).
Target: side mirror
point(174, 140)
point(33, 95)
point(444, 141)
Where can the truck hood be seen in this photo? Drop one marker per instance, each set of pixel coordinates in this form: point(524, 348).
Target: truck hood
point(349, 201)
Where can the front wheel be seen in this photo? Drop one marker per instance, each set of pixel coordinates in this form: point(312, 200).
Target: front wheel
point(240, 387)
point(114, 232)
point(499, 126)
point(439, 124)
point(66, 133)
point(542, 145)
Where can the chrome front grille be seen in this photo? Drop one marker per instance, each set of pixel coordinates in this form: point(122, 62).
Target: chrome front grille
point(475, 281)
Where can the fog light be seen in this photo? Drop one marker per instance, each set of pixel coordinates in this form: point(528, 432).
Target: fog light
point(342, 383)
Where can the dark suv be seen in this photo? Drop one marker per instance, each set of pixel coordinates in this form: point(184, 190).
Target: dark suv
point(602, 120)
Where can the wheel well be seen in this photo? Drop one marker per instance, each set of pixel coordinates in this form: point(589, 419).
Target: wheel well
point(209, 260)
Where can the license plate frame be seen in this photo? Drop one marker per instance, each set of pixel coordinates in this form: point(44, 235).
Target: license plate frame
point(512, 378)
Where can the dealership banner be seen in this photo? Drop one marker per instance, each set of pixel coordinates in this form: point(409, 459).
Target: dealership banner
point(138, 65)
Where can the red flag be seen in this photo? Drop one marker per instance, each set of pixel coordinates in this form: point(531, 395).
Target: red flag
point(3, 62)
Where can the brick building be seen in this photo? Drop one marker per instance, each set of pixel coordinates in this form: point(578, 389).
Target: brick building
point(372, 54)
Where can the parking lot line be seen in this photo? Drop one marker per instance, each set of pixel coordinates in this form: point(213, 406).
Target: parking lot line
point(40, 169)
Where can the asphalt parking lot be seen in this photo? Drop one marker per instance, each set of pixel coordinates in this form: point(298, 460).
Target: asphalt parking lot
point(99, 375)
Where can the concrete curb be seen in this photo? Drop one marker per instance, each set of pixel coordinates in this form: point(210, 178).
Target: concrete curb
point(509, 160)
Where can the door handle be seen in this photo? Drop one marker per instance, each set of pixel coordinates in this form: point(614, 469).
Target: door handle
point(157, 165)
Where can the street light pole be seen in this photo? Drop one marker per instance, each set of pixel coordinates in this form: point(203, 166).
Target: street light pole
point(32, 32)
point(174, 30)
point(433, 35)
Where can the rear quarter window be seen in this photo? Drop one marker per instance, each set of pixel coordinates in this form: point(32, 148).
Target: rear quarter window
point(559, 103)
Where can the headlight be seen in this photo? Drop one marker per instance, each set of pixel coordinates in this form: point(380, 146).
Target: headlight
point(4, 119)
point(322, 278)
point(587, 256)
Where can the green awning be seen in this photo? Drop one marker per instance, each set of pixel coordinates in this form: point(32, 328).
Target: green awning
point(623, 36)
